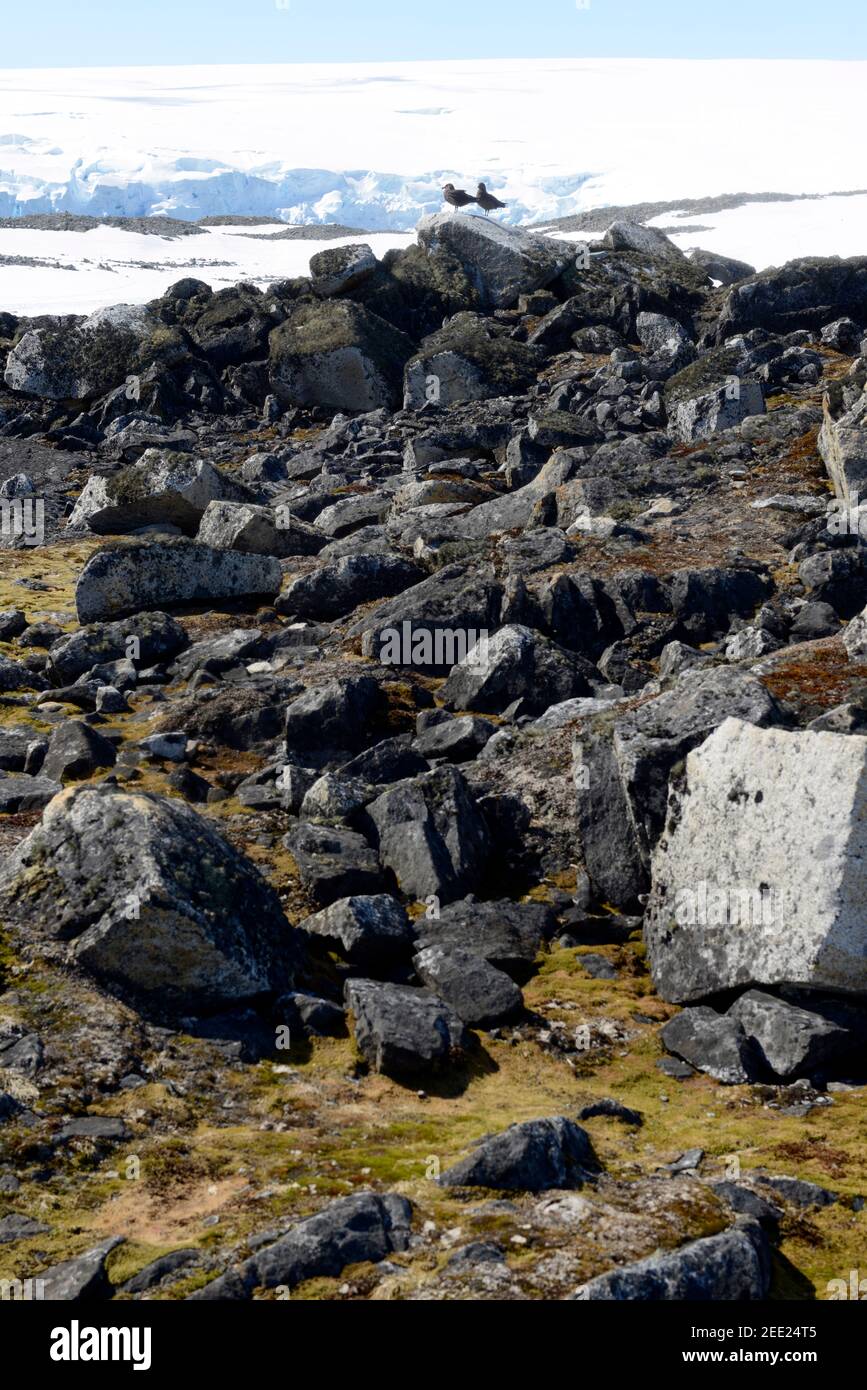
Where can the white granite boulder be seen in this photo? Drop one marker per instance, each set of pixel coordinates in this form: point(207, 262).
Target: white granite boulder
point(760, 876)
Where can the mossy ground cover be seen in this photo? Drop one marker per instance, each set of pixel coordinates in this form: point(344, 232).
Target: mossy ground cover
point(262, 1145)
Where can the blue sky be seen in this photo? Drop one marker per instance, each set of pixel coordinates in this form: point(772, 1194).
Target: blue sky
point(81, 33)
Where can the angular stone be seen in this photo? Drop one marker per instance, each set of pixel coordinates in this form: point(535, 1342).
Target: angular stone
point(336, 715)
point(361, 1229)
point(152, 637)
point(13, 676)
point(130, 578)
point(455, 740)
point(704, 415)
point(502, 263)
point(508, 935)
point(794, 1041)
point(469, 359)
point(758, 879)
point(336, 353)
point(159, 488)
point(433, 625)
point(256, 531)
point(516, 664)
point(76, 750)
point(151, 899)
point(479, 993)
point(734, 1266)
point(74, 361)
point(625, 235)
point(334, 863)
point(713, 1043)
point(364, 929)
point(340, 269)
point(403, 1031)
point(15, 1227)
point(843, 446)
point(807, 293)
point(432, 835)
point(331, 591)
point(20, 792)
point(82, 1279)
point(531, 1157)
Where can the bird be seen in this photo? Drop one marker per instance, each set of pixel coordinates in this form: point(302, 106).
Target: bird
point(487, 200)
point(457, 197)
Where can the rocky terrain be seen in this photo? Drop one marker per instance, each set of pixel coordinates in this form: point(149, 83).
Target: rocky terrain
point(433, 763)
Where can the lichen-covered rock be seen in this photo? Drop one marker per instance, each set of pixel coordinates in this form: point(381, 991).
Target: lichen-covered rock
point(713, 1043)
point(20, 792)
point(624, 781)
point(467, 360)
point(159, 488)
point(734, 1266)
point(803, 294)
point(502, 263)
point(665, 341)
point(13, 676)
point(337, 353)
point(81, 1279)
point(76, 750)
point(360, 1229)
point(130, 578)
point(724, 269)
point(478, 992)
point(702, 416)
point(505, 934)
point(151, 900)
point(230, 326)
point(799, 1042)
point(75, 361)
point(364, 929)
point(339, 714)
point(432, 835)
point(843, 446)
point(331, 591)
point(254, 530)
point(624, 235)
point(146, 639)
point(516, 664)
point(340, 269)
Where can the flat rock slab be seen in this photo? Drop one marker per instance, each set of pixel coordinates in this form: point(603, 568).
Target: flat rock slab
point(759, 876)
point(130, 578)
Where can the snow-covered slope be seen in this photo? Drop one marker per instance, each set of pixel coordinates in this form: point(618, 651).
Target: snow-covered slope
point(370, 145)
point(77, 272)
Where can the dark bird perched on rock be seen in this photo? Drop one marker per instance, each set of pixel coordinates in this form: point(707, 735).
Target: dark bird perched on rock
point(457, 197)
point(487, 200)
